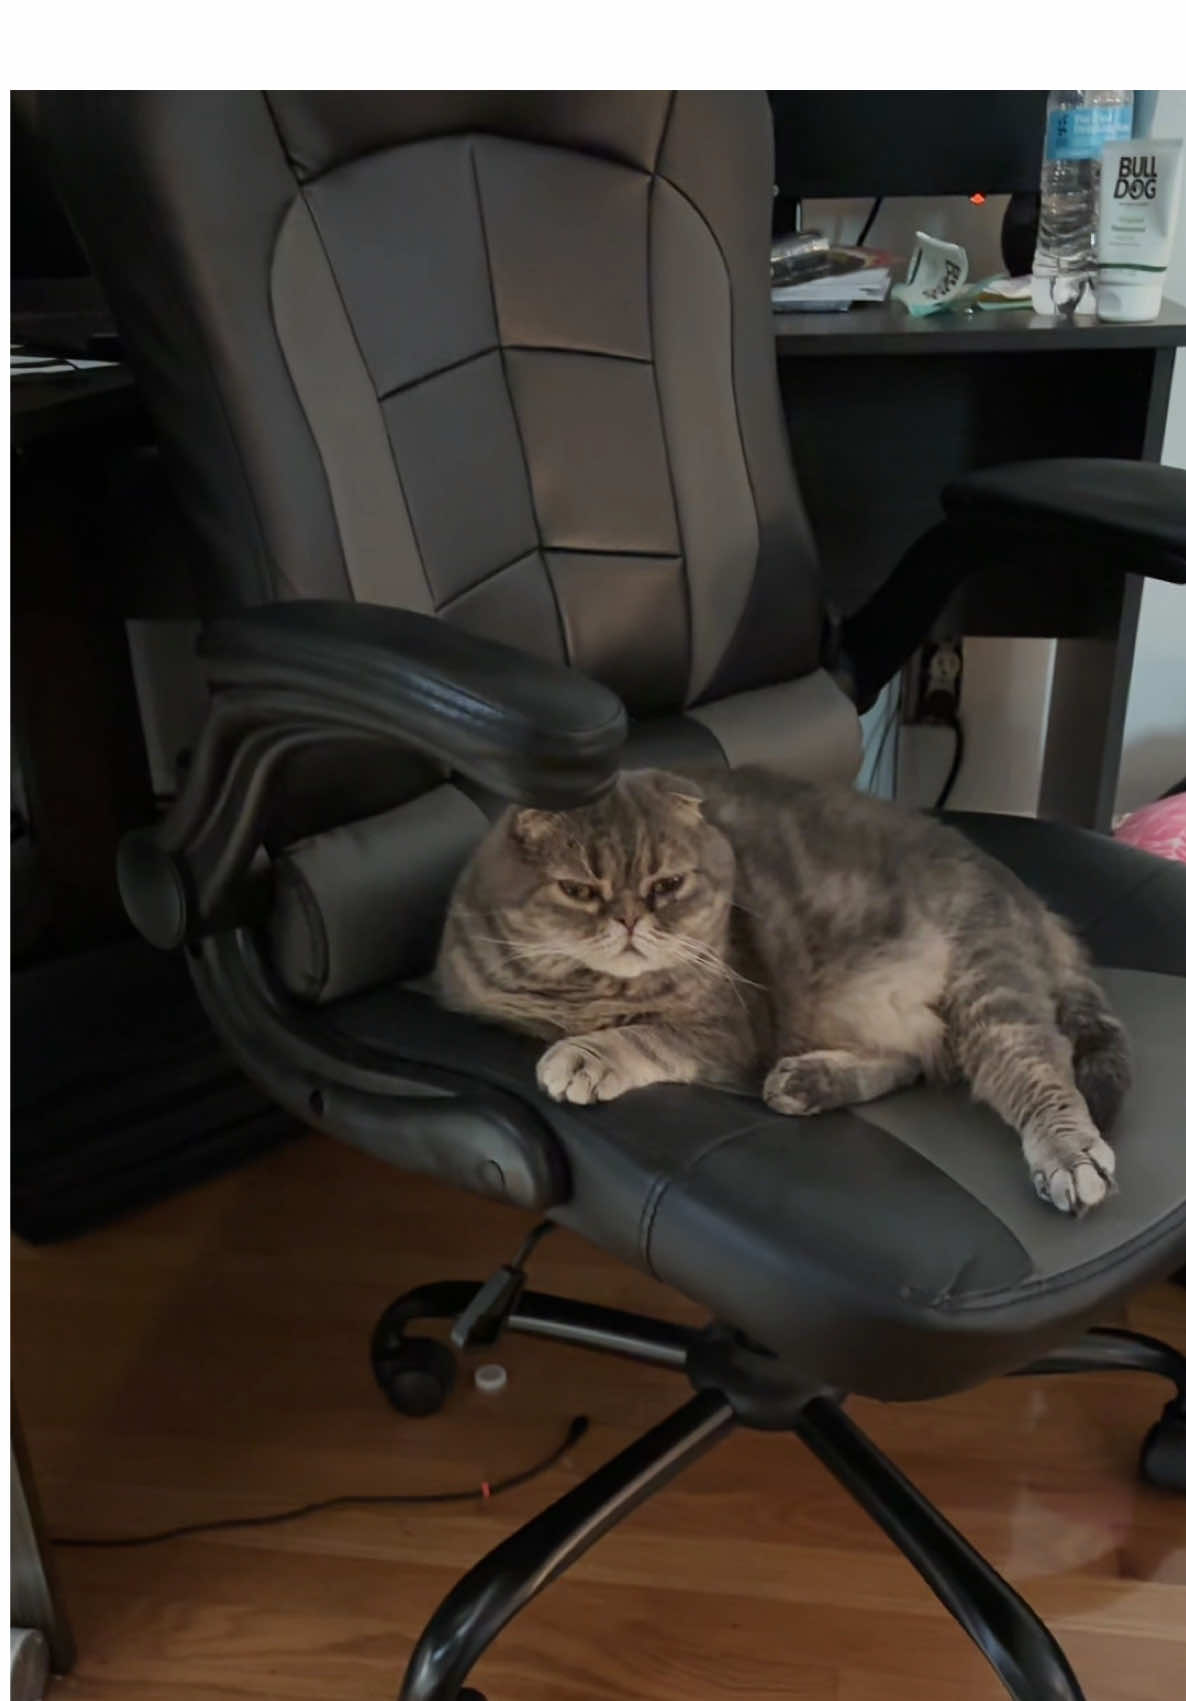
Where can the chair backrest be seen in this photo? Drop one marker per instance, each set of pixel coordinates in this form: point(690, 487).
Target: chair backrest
point(502, 357)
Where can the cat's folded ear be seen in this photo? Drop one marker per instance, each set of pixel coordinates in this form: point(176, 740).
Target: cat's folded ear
point(681, 795)
point(685, 795)
point(532, 828)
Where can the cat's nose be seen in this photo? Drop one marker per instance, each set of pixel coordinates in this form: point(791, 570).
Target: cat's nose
point(629, 925)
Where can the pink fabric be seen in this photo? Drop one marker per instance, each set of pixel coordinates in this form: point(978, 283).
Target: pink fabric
point(1159, 827)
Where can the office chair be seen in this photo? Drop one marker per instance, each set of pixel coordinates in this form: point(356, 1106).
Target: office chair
point(472, 398)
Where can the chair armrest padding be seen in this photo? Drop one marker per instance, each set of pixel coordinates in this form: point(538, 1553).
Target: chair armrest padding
point(291, 678)
point(530, 730)
point(1136, 508)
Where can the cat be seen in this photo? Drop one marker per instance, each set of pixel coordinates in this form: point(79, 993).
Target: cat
point(803, 941)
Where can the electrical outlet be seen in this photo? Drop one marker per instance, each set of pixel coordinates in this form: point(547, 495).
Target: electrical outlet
point(937, 681)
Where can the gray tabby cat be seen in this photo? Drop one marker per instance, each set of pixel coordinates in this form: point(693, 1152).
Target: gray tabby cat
point(806, 941)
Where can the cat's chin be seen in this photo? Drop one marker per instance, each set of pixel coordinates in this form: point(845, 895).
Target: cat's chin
point(630, 968)
point(628, 965)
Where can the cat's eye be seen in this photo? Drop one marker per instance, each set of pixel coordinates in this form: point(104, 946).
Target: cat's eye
point(664, 888)
point(576, 889)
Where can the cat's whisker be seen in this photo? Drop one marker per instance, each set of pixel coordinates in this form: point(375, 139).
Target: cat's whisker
point(744, 908)
point(699, 951)
point(525, 952)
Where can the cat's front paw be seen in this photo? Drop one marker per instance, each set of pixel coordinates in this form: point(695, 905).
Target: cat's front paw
point(1074, 1174)
point(800, 1086)
point(581, 1072)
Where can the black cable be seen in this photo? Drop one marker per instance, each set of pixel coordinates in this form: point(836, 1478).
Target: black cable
point(487, 1491)
point(957, 759)
point(868, 224)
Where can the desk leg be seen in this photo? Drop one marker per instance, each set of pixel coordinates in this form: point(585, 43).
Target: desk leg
point(1085, 726)
point(1089, 694)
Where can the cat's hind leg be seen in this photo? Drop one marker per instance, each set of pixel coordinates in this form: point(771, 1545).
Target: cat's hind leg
point(1015, 1059)
point(814, 1081)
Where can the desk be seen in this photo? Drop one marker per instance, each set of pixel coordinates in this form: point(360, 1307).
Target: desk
point(884, 410)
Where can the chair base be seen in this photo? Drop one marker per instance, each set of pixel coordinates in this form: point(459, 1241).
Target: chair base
point(735, 1385)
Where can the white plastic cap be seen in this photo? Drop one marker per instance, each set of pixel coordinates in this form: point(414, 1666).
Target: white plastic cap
point(1129, 301)
point(490, 1378)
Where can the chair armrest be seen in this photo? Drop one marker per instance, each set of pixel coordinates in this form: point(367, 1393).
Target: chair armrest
point(1135, 509)
point(1103, 517)
point(530, 730)
point(293, 677)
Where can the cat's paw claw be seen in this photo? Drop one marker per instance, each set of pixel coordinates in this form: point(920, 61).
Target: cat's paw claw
point(1076, 1179)
point(797, 1086)
point(575, 1072)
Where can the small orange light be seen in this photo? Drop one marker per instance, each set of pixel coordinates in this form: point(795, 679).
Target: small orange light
point(977, 200)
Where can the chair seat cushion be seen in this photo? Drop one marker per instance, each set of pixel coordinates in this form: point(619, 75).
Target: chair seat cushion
point(854, 1241)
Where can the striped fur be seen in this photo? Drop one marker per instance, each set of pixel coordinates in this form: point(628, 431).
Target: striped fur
point(805, 942)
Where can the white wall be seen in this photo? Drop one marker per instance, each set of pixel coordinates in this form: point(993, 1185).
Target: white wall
point(1154, 756)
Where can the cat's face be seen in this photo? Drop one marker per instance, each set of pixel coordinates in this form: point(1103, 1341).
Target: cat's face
point(636, 883)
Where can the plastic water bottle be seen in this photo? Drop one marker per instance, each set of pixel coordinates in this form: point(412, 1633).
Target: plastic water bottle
point(1078, 123)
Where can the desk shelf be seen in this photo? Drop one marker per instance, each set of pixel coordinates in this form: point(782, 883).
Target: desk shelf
point(888, 329)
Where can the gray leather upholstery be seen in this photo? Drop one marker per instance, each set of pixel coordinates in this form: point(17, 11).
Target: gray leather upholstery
point(337, 923)
point(501, 357)
point(804, 727)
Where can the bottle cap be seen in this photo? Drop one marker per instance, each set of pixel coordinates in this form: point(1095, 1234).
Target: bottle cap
point(490, 1379)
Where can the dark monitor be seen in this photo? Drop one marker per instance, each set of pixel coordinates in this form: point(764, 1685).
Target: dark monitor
point(55, 304)
point(833, 145)
point(42, 243)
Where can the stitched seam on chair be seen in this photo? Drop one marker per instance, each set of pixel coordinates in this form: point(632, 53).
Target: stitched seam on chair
point(366, 368)
point(578, 353)
point(528, 554)
point(505, 567)
point(506, 378)
point(621, 554)
point(1002, 1299)
point(437, 372)
point(514, 348)
point(315, 926)
point(679, 529)
point(732, 350)
point(663, 1183)
point(662, 143)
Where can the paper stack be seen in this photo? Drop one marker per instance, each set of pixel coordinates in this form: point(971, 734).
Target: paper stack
point(844, 276)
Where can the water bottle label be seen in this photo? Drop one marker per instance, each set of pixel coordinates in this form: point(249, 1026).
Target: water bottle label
point(1081, 131)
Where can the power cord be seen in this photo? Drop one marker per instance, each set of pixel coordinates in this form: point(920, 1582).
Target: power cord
point(487, 1491)
point(957, 762)
point(869, 222)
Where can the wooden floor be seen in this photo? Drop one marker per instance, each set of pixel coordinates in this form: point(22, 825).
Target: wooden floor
point(208, 1358)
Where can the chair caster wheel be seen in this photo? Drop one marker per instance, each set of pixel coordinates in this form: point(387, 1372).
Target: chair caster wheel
point(1163, 1454)
point(416, 1375)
